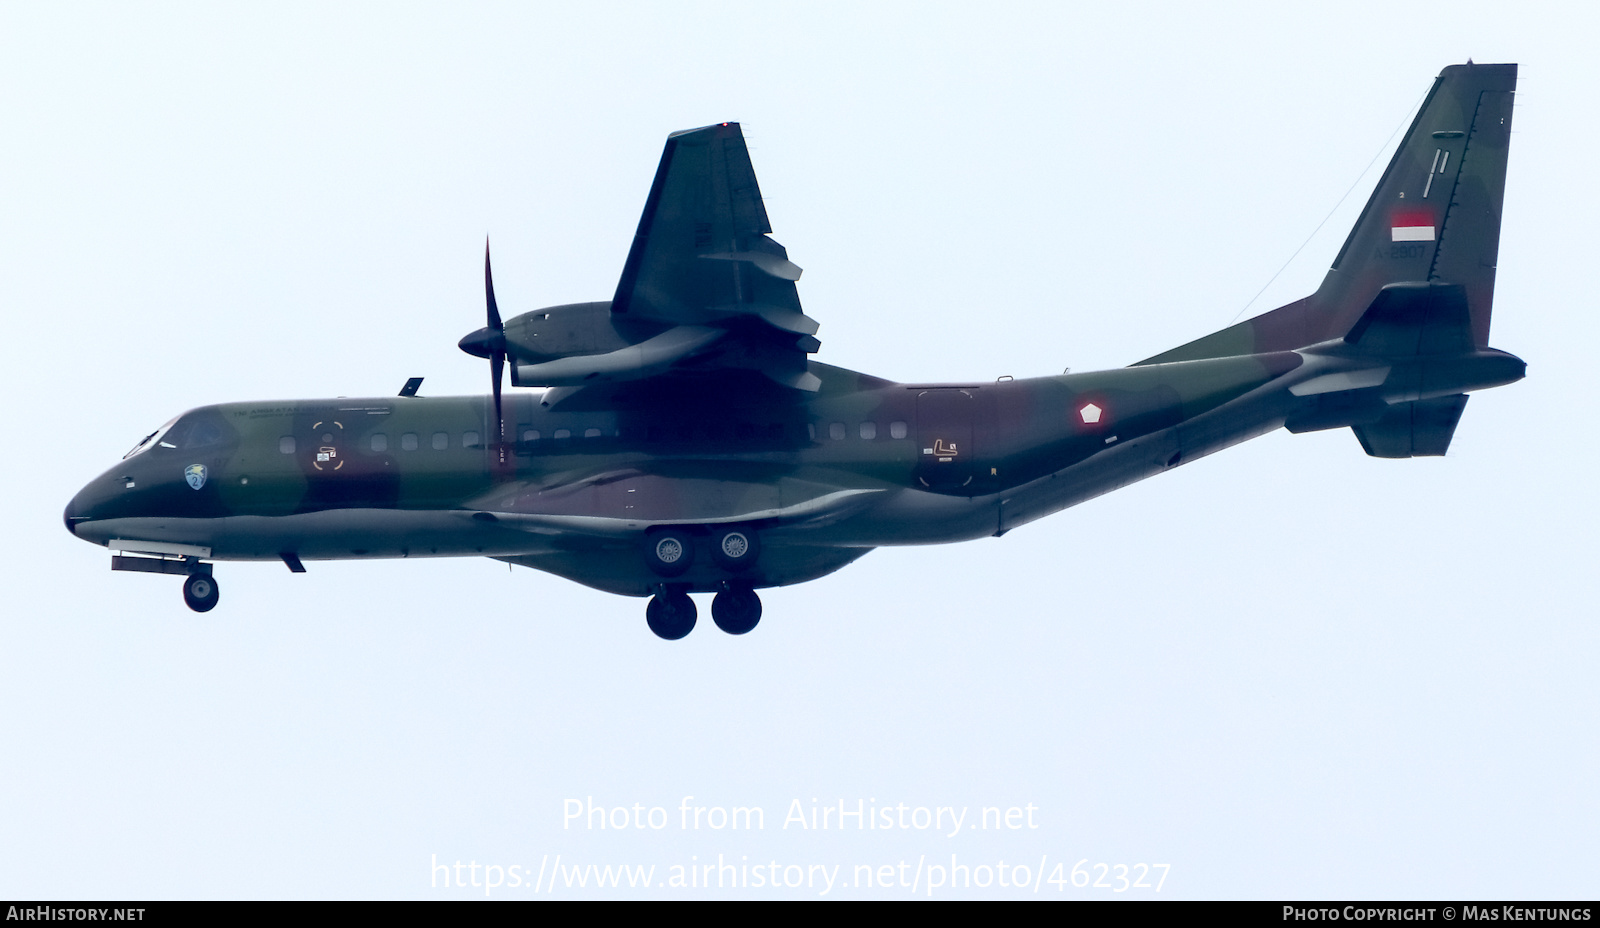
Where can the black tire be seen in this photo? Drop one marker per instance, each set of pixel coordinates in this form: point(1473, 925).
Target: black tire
point(671, 615)
point(669, 553)
point(200, 592)
point(736, 611)
point(735, 549)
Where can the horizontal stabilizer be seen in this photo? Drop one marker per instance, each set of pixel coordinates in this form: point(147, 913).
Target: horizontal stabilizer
point(1411, 430)
point(1415, 318)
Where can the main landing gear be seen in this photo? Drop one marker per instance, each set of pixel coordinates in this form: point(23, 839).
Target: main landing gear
point(736, 610)
point(672, 614)
point(669, 553)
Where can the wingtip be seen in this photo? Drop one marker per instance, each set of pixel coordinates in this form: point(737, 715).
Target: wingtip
point(718, 128)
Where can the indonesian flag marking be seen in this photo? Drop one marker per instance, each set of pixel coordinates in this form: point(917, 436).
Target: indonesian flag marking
point(1414, 225)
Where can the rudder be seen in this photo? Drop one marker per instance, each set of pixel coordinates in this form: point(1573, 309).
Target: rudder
point(1434, 217)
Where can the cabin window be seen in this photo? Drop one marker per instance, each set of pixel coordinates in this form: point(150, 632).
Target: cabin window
point(811, 430)
point(897, 430)
point(530, 435)
point(441, 440)
point(869, 430)
point(286, 445)
point(836, 431)
point(563, 433)
point(408, 441)
point(469, 439)
point(591, 433)
point(380, 441)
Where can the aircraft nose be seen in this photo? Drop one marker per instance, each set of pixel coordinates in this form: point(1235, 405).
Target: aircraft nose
point(80, 510)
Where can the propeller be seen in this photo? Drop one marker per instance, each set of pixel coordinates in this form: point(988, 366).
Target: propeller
point(490, 342)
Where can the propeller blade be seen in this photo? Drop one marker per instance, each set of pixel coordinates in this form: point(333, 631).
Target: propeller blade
point(490, 342)
point(488, 286)
point(496, 364)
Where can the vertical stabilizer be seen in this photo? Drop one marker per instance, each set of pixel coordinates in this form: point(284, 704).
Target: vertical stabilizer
point(1433, 218)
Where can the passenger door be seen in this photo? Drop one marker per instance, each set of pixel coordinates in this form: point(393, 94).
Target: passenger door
point(946, 457)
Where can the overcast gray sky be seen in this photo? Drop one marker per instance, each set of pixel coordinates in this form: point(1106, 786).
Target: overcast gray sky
point(1288, 670)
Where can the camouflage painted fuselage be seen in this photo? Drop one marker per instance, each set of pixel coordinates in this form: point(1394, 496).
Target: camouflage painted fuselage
point(686, 408)
point(859, 464)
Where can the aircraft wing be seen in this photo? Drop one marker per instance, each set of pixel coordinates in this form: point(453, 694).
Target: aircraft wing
point(702, 257)
point(622, 504)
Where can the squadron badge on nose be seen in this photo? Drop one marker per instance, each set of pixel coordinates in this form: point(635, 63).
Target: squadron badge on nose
point(196, 475)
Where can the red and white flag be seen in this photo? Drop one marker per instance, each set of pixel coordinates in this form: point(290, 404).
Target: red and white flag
point(1413, 225)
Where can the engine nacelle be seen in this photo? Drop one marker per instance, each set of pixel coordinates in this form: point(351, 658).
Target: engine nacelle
point(577, 344)
point(571, 330)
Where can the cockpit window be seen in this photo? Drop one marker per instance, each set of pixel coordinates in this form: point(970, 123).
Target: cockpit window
point(200, 429)
point(204, 434)
point(150, 439)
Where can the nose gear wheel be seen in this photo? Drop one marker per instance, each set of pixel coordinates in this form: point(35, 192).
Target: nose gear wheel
point(200, 592)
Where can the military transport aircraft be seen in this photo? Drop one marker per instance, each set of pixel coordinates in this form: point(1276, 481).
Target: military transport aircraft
point(684, 441)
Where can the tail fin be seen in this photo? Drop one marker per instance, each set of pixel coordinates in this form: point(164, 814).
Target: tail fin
point(1434, 218)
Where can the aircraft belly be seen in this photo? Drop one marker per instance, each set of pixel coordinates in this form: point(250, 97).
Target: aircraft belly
point(621, 569)
point(908, 517)
point(627, 503)
point(643, 498)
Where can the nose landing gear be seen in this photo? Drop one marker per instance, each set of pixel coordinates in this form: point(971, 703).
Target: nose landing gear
point(200, 592)
point(199, 587)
